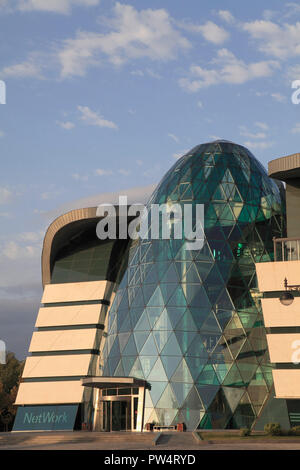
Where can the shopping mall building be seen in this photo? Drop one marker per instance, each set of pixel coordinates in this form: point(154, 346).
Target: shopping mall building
point(135, 333)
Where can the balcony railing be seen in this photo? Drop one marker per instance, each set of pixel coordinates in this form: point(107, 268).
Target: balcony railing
point(286, 249)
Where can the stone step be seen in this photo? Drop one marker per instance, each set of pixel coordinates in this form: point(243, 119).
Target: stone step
point(73, 437)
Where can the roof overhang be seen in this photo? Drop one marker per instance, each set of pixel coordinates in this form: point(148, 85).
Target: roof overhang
point(112, 382)
point(285, 168)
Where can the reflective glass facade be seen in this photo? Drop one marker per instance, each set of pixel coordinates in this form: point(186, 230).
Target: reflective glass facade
point(190, 322)
point(86, 258)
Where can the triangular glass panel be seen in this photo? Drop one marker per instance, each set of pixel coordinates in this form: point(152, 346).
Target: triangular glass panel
point(136, 370)
point(167, 290)
point(185, 339)
point(143, 323)
point(148, 404)
point(181, 391)
point(119, 372)
point(182, 373)
point(221, 370)
point(182, 267)
point(193, 400)
point(233, 396)
point(126, 325)
point(156, 391)
point(192, 275)
point(187, 322)
point(223, 316)
point(207, 393)
point(170, 275)
point(247, 367)
point(157, 299)
point(140, 339)
point(153, 314)
point(148, 290)
point(208, 376)
point(123, 338)
point(210, 324)
point(112, 364)
point(115, 350)
point(175, 314)
point(196, 296)
point(158, 372)
point(219, 194)
point(172, 347)
point(197, 349)
point(130, 348)
point(224, 301)
point(199, 315)
point(161, 337)
point(135, 315)
point(163, 322)
point(234, 378)
point(152, 277)
point(178, 299)
point(138, 300)
point(195, 365)
point(149, 347)
point(170, 364)
point(147, 363)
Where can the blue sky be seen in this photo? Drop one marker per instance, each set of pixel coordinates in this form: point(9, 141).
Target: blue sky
point(103, 96)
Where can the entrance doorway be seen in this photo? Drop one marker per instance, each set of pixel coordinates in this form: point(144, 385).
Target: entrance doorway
point(117, 415)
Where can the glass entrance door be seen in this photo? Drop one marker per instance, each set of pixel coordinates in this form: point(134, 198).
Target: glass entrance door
point(117, 415)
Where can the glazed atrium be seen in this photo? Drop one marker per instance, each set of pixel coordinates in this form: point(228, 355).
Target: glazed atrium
point(133, 334)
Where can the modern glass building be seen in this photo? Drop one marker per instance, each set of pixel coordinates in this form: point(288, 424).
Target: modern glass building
point(176, 335)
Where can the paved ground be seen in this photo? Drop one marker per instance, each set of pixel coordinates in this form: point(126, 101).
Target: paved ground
point(135, 441)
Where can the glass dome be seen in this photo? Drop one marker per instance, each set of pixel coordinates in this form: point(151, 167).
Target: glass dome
point(189, 322)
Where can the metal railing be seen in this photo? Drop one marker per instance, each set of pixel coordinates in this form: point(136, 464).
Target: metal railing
point(286, 249)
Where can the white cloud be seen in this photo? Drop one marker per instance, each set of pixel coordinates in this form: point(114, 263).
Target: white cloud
point(78, 177)
point(278, 97)
point(150, 72)
point(292, 9)
point(296, 128)
point(269, 14)
point(67, 125)
point(275, 40)
point(124, 172)
point(52, 194)
point(133, 34)
point(252, 135)
point(53, 6)
point(199, 104)
point(14, 251)
point(293, 72)
point(5, 195)
point(262, 125)
point(209, 30)
point(31, 236)
point(258, 145)
point(135, 195)
point(102, 172)
point(229, 69)
point(226, 16)
point(26, 69)
point(137, 73)
point(94, 119)
point(174, 137)
point(179, 154)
